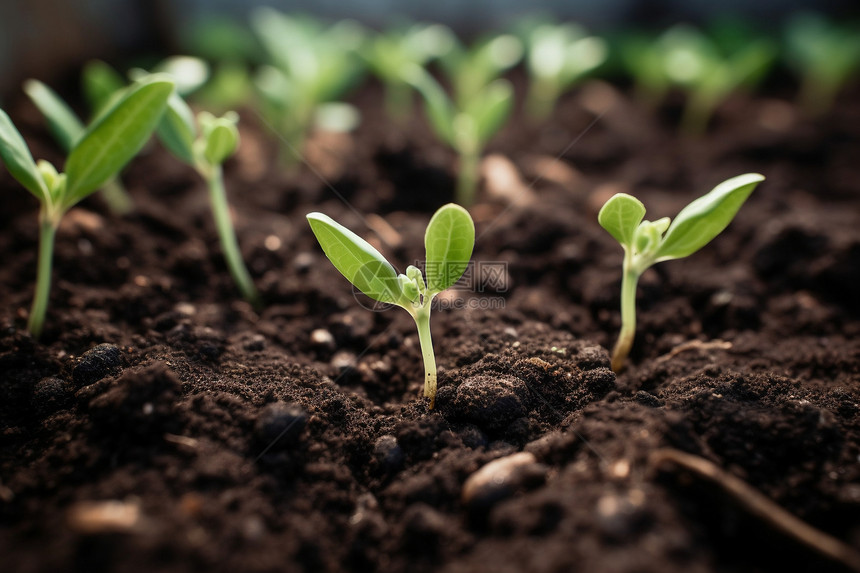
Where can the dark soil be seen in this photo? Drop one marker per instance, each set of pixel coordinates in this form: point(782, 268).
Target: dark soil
point(160, 424)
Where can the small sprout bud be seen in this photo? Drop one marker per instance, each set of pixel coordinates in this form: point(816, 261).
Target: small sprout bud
point(49, 174)
point(449, 240)
point(222, 139)
point(646, 243)
point(408, 288)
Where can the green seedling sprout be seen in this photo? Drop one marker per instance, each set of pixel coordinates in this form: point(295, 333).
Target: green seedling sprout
point(824, 54)
point(103, 86)
point(449, 240)
point(683, 57)
point(390, 54)
point(648, 242)
point(558, 55)
point(471, 69)
point(311, 66)
point(95, 157)
point(206, 149)
point(466, 126)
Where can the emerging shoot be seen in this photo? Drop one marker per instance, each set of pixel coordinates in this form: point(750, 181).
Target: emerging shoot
point(465, 126)
point(685, 58)
point(449, 240)
point(95, 156)
point(206, 150)
point(824, 54)
point(311, 66)
point(646, 243)
point(390, 54)
point(558, 56)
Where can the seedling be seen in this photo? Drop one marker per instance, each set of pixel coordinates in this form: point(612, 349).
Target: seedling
point(449, 240)
point(206, 150)
point(465, 126)
point(824, 54)
point(646, 243)
point(558, 56)
point(389, 54)
point(684, 58)
point(102, 86)
point(471, 69)
point(311, 66)
point(94, 158)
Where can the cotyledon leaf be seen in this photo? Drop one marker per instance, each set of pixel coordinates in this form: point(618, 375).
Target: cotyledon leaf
point(621, 216)
point(356, 259)
point(115, 138)
point(706, 217)
point(449, 240)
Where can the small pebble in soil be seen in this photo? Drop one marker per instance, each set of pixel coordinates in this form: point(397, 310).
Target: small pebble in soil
point(303, 262)
point(99, 517)
point(388, 453)
point(280, 424)
point(322, 338)
point(501, 478)
point(472, 436)
point(424, 528)
point(97, 363)
point(51, 394)
point(620, 515)
point(491, 402)
point(343, 361)
point(256, 343)
point(646, 399)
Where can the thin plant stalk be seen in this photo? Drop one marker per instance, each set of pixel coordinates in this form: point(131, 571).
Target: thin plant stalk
point(398, 101)
point(468, 177)
point(227, 236)
point(629, 280)
point(422, 321)
point(47, 234)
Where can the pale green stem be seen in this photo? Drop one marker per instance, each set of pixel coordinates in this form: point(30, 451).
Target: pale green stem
point(541, 99)
point(422, 321)
point(227, 235)
point(398, 101)
point(468, 177)
point(47, 233)
point(697, 114)
point(628, 314)
point(116, 197)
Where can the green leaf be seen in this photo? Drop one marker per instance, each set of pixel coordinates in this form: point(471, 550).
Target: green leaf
point(222, 139)
point(706, 217)
point(449, 240)
point(188, 72)
point(621, 216)
point(18, 159)
point(112, 141)
point(62, 121)
point(440, 111)
point(177, 131)
point(100, 83)
point(356, 259)
point(492, 108)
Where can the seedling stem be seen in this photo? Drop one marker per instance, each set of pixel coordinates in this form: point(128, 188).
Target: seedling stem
point(227, 235)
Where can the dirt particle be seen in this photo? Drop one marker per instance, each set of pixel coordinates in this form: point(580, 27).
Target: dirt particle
point(500, 479)
point(99, 362)
point(112, 516)
point(51, 394)
point(280, 424)
point(491, 402)
point(388, 453)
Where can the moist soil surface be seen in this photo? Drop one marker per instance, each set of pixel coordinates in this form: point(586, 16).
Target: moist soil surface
point(162, 424)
